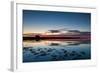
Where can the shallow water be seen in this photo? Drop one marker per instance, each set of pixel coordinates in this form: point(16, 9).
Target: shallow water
point(54, 50)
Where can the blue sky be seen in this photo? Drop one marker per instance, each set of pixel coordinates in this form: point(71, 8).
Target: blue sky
point(42, 21)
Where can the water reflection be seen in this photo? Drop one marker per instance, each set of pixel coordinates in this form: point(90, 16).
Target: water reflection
point(55, 50)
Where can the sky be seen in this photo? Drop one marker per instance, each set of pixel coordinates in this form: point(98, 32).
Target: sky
point(42, 21)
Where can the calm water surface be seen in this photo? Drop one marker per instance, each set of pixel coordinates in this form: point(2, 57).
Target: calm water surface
point(55, 50)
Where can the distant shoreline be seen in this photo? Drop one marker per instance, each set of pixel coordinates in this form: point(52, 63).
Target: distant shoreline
point(58, 38)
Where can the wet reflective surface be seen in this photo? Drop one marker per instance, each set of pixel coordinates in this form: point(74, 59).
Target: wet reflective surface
point(55, 50)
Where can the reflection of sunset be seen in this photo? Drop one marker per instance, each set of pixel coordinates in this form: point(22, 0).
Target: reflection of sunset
point(30, 43)
point(34, 43)
point(49, 42)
